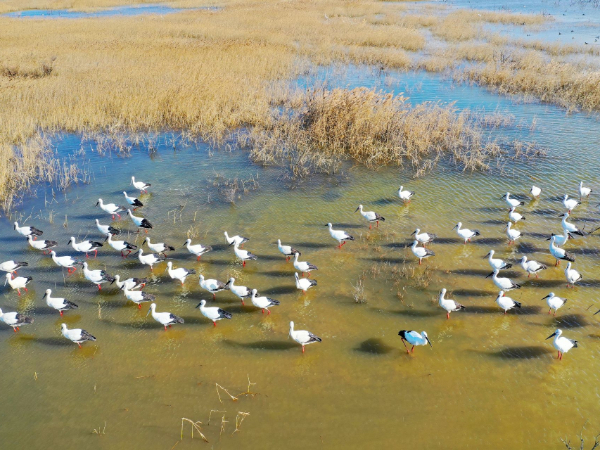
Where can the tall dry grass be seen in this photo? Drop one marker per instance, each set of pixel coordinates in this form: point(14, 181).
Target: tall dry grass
point(319, 129)
point(211, 72)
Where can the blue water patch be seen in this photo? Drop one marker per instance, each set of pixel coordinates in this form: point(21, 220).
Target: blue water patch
point(135, 10)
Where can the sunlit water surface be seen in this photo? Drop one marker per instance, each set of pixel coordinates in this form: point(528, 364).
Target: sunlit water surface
point(490, 380)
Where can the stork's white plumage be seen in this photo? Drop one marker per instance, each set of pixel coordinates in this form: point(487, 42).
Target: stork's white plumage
point(503, 283)
point(561, 343)
point(370, 216)
point(304, 284)
point(449, 305)
point(554, 302)
point(512, 202)
point(43, 244)
point(140, 222)
point(465, 233)
point(286, 250)
point(568, 226)
point(572, 276)
point(135, 202)
point(496, 263)
point(558, 252)
point(58, 303)
point(121, 246)
point(303, 337)
point(405, 195)
point(158, 247)
point(211, 285)
point(181, 273)
point(535, 191)
point(570, 203)
point(303, 266)
point(414, 338)
point(150, 259)
point(213, 313)
point(423, 238)
point(17, 283)
point(506, 303)
point(106, 229)
point(166, 319)
point(514, 216)
point(15, 320)
point(110, 208)
point(243, 255)
point(584, 191)
point(532, 267)
point(239, 240)
point(511, 233)
point(140, 185)
point(263, 302)
point(197, 249)
point(420, 252)
point(96, 276)
point(131, 283)
point(76, 335)
point(561, 239)
point(138, 297)
point(27, 231)
point(12, 266)
point(339, 235)
point(241, 292)
point(66, 261)
point(85, 246)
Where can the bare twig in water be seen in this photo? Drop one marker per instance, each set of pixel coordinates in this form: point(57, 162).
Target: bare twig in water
point(239, 419)
point(248, 389)
point(596, 444)
point(221, 387)
point(195, 426)
point(100, 430)
point(210, 414)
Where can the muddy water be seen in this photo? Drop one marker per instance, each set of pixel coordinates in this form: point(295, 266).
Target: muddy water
point(490, 380)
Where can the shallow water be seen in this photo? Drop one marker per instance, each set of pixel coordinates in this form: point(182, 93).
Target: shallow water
point(490, 380)
point(134, 10)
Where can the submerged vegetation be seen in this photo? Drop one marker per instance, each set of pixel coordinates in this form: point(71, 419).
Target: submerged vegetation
point(210, 72)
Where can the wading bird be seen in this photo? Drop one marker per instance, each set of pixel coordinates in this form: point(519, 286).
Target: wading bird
point(559, 253)
point(561, 343)
point(140, 222)
point(12, 266)
point(239, 240)
point(512, 202)
point(150, 259)
point(57, 303)
point(512, 234)
point(584, 191)
point(138, 297)
point(158, 247)
point(211, 285)
point(166, 319)
point(303, 337)
point(304, 284)
point(286, 250)
point(405, 195)
point(448, 304)
point(131, 283)
point(110, 208)
point(535, 191)
point(414, 338)
point(96, 276)
point(506, 303)
point(181, 273)
point(569, 227)
point(572, 276)
point(106, 229)
point(421, 252)
point(465, 233)
point(570, 203)
point(514, 216)
point(554, 302)
point(85, 246)
point(496, 263)
point(503, 283)
point(43, 245)
point(241, 292)
point(140, 185)
point(15, 320)
point(339, 235)
point(213, 313)
point(121, 246)
point(532, 267)
point(263, 302)
point(27, 231)
point(370, 216)
point(17, 283)
point(135, 202)
point(76, 335)
point(303, 266)
point(197, 249)
point(423, 238)
point(243, 255)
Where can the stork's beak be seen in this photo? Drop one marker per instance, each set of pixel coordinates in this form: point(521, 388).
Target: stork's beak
point(413, 232)
point(486, 256)
point(97, 203)
point(144, 241)
point(429, 342)
point(357, 209)
point(552, 335)
point(149, 309)
point(198, 305)
point(454, 227)
point(596, 312)
point(546, 297)
point(489, 275)
point(68, 243)
point(44, 296)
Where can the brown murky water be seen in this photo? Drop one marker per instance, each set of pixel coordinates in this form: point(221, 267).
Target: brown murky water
point(490, 380)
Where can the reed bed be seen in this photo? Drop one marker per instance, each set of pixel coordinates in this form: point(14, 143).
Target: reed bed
point(319, 129)
point(208, 73)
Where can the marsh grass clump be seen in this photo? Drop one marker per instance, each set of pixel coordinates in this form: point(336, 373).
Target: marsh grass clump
point(229, 190)
point(319, 129)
